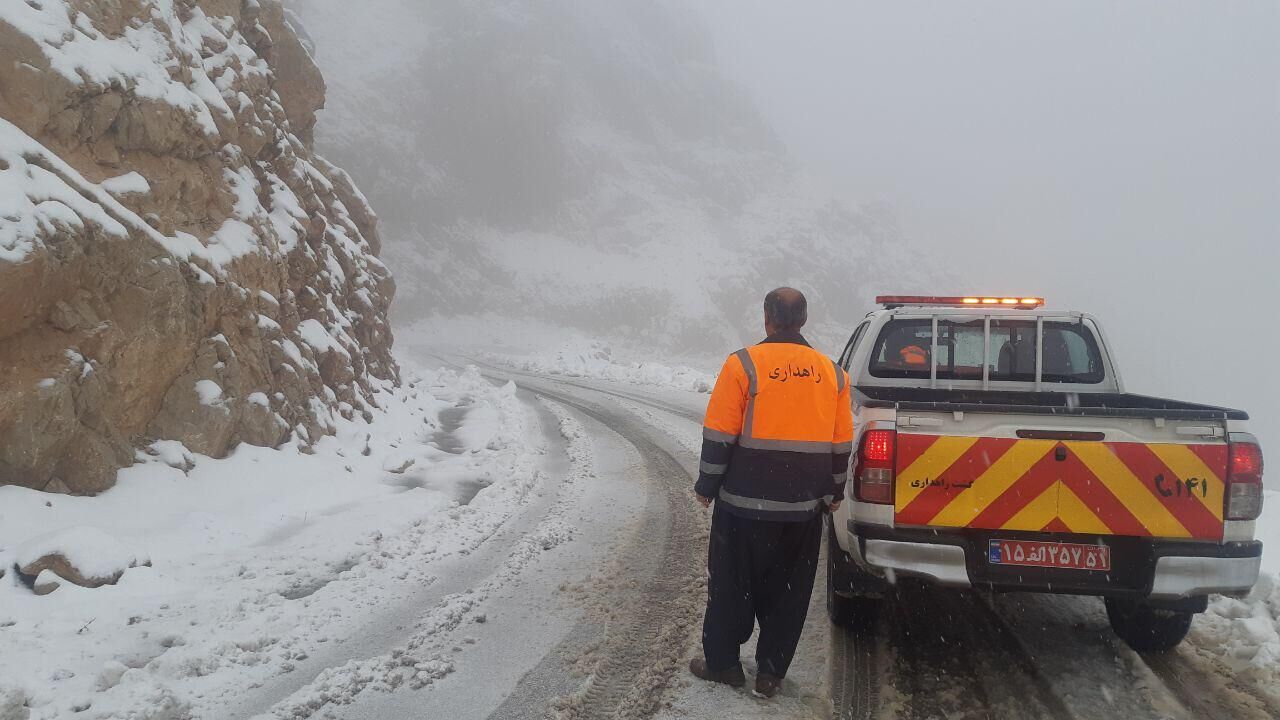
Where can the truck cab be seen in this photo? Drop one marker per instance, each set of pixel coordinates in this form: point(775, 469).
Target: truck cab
point(996, 449)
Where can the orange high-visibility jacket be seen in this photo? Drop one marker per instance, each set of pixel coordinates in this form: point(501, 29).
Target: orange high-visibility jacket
point(778, 432)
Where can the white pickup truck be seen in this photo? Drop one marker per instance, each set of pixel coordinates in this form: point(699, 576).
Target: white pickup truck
point(997, 450)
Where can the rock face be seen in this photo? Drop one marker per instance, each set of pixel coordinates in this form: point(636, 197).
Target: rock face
point(175, 261)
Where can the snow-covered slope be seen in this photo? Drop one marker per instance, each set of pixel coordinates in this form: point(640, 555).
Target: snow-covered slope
point(258, 560)
point(585, 164)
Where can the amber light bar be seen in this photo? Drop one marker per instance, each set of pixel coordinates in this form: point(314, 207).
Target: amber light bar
point(1018, 303)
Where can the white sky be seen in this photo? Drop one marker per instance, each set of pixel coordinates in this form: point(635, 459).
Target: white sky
point(1119, 158)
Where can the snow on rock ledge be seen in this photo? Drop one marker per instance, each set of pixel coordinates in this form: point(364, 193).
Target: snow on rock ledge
point(165, 228)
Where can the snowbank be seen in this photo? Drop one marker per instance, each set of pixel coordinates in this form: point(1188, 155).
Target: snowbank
point(95, 555)
point(13, 704)
point(594, 359)
point(258, 559)
point(1245, 633)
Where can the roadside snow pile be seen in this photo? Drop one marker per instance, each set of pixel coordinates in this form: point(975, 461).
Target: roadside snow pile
point(594, 359)
point(258, 561)
point(13, 704)
point(1245, 633)
point(83, 555)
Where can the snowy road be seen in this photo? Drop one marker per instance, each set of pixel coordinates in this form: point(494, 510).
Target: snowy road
point(510, 544)
point(932, 654)
point(948, 654)
point(586, 627)
point(648, 597)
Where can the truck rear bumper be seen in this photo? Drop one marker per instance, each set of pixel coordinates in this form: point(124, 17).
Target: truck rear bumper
point(1155, 569)
point(1178, 577)
point(943, 564)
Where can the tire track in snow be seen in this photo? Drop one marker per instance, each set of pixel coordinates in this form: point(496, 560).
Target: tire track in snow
point(1203, 693)
point(424, 657)
point(1073, 648)
point(856, 671)
point(938, 654)
point(1028, 683)
point(662, 580)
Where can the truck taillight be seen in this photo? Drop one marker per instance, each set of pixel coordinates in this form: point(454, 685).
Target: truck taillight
point(873, 479)
point(1244, 478)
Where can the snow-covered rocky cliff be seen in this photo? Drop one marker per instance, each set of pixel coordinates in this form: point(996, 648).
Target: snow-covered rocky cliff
point(175, 261)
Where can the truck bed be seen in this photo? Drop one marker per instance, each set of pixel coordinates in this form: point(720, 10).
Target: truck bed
point(1086, 404)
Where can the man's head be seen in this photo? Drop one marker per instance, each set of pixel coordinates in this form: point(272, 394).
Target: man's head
point(785, 310)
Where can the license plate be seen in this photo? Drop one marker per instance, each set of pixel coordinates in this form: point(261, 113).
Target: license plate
point(1030, 553)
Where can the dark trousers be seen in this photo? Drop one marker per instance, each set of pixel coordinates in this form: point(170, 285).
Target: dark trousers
point(761, 570)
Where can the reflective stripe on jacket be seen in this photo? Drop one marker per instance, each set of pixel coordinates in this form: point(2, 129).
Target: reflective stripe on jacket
point(778, 432)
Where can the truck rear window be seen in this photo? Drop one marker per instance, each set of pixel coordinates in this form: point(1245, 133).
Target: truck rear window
point(904, 349)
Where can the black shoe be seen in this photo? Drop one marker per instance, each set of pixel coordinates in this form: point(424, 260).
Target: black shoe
point(733, 677)
point(766, 685)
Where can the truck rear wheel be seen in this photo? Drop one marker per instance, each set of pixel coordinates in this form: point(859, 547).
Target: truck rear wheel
point(845, 609)
point(852, 612)
point(1145, 628)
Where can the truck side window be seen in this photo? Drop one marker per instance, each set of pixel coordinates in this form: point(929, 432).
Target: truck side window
point(852, 346)
point(1070, 354)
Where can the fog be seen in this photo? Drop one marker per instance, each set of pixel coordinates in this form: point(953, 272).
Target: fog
point(583, 164)
point(1119, 158)
point(643, 172)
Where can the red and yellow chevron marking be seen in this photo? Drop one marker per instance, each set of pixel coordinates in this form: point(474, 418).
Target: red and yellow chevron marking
point(1103, 488)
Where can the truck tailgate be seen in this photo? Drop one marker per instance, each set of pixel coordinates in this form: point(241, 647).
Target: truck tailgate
point(1053, 481)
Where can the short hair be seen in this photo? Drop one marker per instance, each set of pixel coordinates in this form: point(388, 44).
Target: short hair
point(786, 309)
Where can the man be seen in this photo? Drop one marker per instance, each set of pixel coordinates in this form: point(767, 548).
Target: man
point(775, 455)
